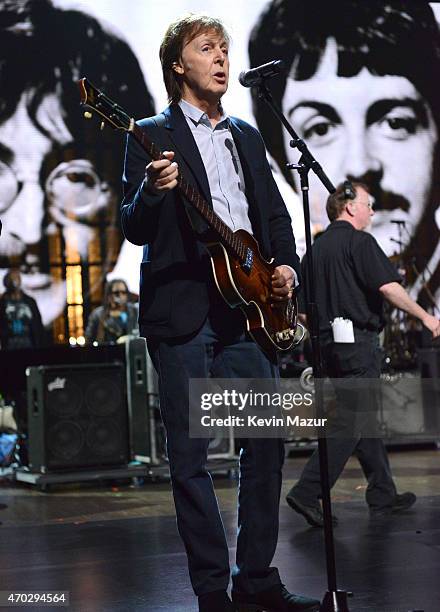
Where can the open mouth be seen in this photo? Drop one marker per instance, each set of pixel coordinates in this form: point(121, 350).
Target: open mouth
point(220, 76)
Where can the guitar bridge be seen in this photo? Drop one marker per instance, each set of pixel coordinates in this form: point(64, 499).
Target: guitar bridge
point(248, 260)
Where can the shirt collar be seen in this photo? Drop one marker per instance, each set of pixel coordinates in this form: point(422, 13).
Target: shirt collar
point(198, 116)
point(337, 223)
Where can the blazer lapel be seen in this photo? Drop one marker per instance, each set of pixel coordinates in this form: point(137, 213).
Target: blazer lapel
point(239, 139)
point(185, 144)
point(246, 155)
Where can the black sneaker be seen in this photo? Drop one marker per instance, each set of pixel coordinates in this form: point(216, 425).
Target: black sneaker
point(312, 514)
point(401, 502)
point(215, 601)
point(275, 599)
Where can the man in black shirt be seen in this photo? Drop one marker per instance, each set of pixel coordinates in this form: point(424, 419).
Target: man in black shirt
point(352, 278)
point(20, 319)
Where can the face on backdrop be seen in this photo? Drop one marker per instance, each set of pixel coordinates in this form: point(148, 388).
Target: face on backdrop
point(75, 195)
point(71, 195)
point(376, 129)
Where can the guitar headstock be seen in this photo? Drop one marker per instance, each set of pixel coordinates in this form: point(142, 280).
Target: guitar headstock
point(95, 100)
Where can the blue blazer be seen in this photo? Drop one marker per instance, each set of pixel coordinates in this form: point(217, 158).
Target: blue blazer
point(176, 277)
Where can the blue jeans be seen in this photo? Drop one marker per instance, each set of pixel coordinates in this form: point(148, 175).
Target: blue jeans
point(223, 349)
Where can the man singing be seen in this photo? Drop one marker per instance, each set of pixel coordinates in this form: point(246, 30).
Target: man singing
point(191, 332)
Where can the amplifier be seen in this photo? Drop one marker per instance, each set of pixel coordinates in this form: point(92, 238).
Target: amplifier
point(429, 363)
point(77, 416)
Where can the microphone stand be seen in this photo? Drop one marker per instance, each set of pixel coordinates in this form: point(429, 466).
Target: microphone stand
point(334, 599)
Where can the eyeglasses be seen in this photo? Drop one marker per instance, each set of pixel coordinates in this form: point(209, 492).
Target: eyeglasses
point(81, 177)
point(369, 204)
point(11, 185)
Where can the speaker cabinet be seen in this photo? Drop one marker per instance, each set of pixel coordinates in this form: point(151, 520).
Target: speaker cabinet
point(147, 431)
point(142, 396)
point(77, 416)
point(429, 363)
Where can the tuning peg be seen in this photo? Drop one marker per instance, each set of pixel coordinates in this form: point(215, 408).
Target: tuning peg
point(102, 125)
point(88, 115)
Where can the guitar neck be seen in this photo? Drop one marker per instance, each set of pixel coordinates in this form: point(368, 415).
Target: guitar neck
point(221, 230)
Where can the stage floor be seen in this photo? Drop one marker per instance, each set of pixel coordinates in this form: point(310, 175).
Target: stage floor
point(116, 548)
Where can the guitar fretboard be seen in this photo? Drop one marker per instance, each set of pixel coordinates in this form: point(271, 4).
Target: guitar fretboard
point(222, 231)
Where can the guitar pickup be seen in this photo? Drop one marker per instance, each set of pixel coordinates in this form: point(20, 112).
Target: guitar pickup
point(248, 260)
point(284, 335)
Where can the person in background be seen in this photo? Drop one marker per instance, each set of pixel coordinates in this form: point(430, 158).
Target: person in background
point(116, 318)
point(352, 278)
point(20, 320)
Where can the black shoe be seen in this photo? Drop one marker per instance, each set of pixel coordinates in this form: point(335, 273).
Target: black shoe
point(215, 601)
point(312, 514)
point(276, 599)
point(401, 502)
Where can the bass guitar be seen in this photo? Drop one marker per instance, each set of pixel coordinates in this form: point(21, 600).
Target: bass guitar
point(243, 277)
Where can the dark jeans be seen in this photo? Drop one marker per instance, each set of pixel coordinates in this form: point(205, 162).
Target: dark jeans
point(359, 360)
point(221, 349)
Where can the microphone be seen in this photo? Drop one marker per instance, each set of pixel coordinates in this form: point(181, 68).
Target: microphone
point(399, 242)
point(254, 76)
point(398, 221)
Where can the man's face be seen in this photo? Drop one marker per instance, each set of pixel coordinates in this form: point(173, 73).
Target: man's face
point(361, 209)
point(75, 196)
point(204, 66)
point(118, 295)
point(376, 129)
point(23, 149)
point(15, 279)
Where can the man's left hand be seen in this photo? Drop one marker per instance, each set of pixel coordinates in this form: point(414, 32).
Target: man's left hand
point(283, 281)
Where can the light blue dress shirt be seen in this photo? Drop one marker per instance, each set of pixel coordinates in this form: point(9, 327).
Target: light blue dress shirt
point(222, 164)
point(223, 168)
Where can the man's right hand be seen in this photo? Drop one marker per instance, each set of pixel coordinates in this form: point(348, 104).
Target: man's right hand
point(433, 324)
point(161, 175)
